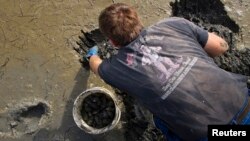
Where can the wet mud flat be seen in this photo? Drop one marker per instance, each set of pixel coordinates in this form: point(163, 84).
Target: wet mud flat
point(35, 37)
point(209, 15)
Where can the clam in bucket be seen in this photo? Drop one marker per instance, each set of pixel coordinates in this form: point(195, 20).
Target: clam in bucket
point(96, 110)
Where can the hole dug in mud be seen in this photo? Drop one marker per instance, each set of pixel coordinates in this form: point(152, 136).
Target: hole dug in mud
point(29, 118)
point(36, 111)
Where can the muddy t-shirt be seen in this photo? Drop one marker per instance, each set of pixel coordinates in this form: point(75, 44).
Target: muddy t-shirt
point(167, 70)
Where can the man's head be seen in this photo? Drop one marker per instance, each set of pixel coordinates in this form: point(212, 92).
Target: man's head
point(120, 23)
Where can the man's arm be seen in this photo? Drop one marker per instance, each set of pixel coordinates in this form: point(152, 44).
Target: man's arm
point(94, 63)
point(215, 45)
point(212, 43)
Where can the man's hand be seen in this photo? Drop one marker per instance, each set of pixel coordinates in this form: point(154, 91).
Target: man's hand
point(93, 59)
point(87, 47)
point(88, 50)
point(92, 51)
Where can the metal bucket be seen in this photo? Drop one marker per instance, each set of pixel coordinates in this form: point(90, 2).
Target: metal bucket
point(77, 108)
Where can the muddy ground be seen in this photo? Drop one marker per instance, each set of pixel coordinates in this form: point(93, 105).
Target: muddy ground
point(40, 75)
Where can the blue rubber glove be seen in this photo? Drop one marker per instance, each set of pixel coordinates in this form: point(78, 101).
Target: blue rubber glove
point(92, 51)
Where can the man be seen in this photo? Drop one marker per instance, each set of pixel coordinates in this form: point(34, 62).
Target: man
point(168, 68)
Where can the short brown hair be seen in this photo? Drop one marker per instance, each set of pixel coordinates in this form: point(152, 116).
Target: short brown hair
point(120, 23)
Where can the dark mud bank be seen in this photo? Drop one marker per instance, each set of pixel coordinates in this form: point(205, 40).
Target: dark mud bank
point(211, 15)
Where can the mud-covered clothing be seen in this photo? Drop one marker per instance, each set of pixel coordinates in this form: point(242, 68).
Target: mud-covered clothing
point(167, 70)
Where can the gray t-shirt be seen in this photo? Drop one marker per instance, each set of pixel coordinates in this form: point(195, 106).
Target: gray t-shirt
point(167, 70)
